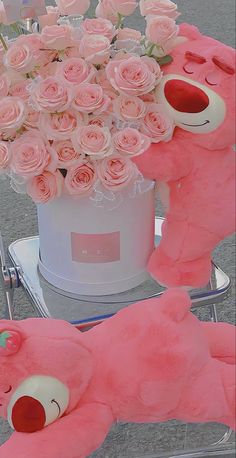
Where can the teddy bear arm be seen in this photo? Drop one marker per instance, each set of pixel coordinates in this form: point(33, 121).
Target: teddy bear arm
point(210, 397)
point(75, 435)
point(221, 341)
point(164, 162)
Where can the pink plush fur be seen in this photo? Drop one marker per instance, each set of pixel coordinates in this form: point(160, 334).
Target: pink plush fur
point(198, 168)
point(152, 362)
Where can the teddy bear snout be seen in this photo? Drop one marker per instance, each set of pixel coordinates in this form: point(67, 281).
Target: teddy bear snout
point(38, 401)
point(28, 415)
point(185, 97)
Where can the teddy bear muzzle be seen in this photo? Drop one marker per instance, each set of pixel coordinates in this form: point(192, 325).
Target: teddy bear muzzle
point(38, 401)
point(193, 106)
point(185, 97)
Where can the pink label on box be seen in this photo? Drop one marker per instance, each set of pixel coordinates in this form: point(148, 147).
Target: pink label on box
point(95, 248)
point(17, 10)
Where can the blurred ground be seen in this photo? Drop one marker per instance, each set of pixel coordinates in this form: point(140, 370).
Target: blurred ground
point(18, 219)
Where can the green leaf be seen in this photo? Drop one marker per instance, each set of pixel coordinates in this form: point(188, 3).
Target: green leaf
point(3, 338)
point(164, 60)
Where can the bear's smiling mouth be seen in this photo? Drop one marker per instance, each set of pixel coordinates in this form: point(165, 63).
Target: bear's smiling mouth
point(196, 125)
point(59, 408)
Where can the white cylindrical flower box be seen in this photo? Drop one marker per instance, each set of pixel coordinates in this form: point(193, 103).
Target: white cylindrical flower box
point(96, 250)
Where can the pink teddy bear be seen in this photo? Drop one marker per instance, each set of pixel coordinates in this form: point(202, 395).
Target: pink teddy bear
point(196, 169)
point(62, 390)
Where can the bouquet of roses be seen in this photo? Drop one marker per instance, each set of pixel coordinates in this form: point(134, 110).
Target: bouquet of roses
point(78, 100)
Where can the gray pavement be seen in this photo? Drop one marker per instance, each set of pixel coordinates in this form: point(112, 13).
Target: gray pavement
point(18, 219)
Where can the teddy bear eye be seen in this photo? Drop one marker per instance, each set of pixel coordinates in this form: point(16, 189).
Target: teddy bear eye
point(213, 78)
point(193, 62)
point(187, 71)
point(211, 84)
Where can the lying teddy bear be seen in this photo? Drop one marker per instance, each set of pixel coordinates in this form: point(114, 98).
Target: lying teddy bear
point(62, 390)
point(197, 167)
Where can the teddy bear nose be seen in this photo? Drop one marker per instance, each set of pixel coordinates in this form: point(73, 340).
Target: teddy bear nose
point(28, 415)
point(185, 97)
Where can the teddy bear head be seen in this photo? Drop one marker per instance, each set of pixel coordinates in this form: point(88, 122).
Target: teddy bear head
point(38, 374)
point(198, 89)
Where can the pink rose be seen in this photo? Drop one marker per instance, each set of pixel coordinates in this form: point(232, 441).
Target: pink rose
point(105, 10)
point(93, 141)
point(99, 26)
point(60, 126)
point(50, 18)
point(5, 156)
point(130, 142)
point(116, 172)
point(4, 85)
point(49, 57)
point(102, 120)
point(149, 98)
point(71, 7)
point(21, 90)
point(45, 187)
point(130, 76)
point(80, 179)
point(76, 71)
point(40, 53)
point(19, 58)
point(34, 42)
point(154, 67)
point(109, 9)
point(129, 34)
point(72, 52)
point(159, 8)
point(95, 49)
point(15, 77)
point(51, 94)
point(101, 79)
point(89, 98)
point(129, 45)
point(67, 156)
point(32, 119)
point(31, 155)
point(12, 113)
point(122, 55)
point(57, 36)
point(161, 29)
point(129, 108)
point(124, 7)
point(49, 69)
point(157, 125)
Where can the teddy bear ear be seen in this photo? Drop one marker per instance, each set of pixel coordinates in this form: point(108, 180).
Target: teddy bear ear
point(176, 304)
point(189, 31)
point(10, 342)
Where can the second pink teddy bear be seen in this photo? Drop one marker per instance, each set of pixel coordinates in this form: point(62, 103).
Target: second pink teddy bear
point(62, 390)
